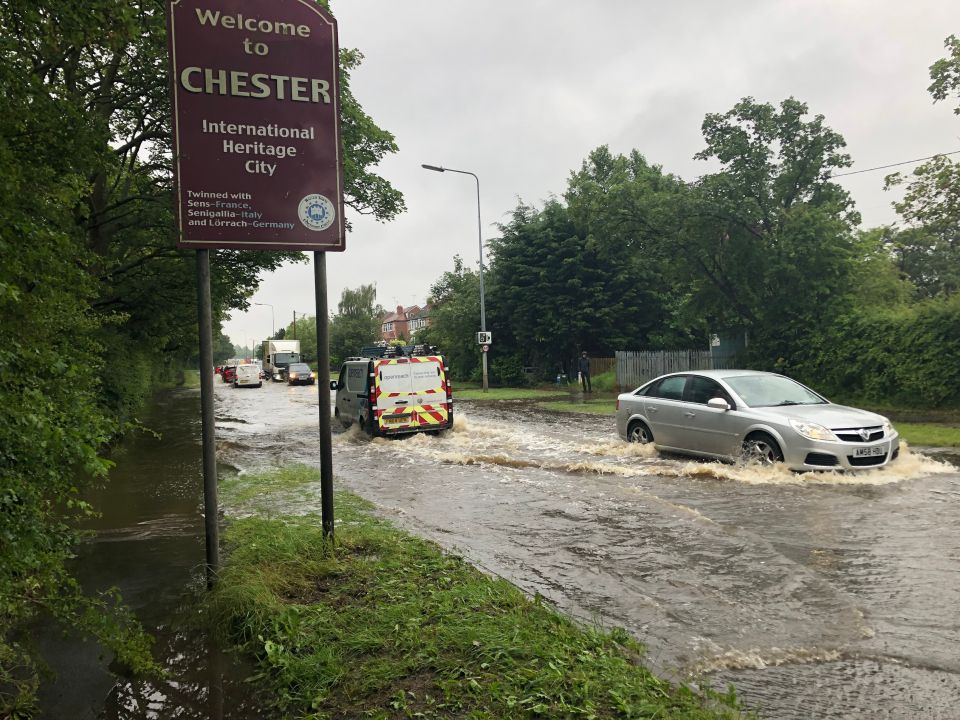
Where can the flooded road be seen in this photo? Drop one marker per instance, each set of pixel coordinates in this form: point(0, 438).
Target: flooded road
point(817, 595)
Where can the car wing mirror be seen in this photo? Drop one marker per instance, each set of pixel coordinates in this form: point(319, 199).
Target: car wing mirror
point(718, 403)
point(333, 384)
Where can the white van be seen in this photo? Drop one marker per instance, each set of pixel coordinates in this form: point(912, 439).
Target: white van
point(396, 395)
point(248, 376)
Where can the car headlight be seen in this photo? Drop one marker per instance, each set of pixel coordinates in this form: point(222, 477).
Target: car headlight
point(887, 428)
point(812, 430)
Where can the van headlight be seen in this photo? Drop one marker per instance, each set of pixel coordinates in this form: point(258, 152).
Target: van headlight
point(812, 431)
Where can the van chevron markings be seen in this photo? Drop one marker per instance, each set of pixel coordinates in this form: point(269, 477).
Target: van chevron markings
point(255, 94)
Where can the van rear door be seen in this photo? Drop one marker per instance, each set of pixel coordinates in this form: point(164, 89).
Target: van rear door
point(411, 394)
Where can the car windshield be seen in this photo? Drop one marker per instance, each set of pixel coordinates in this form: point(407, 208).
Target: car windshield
point(300, 367)
point(771, 391)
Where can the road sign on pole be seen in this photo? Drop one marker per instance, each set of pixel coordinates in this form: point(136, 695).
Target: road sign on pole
point(485, 348)
point(256, 114)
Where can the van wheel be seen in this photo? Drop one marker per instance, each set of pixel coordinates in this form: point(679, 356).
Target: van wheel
point(371, 428)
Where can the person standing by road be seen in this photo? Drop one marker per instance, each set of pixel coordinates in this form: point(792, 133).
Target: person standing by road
point(585, 372)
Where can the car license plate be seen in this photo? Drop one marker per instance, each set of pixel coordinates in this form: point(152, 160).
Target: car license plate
point(395, 419)
point(870, 451)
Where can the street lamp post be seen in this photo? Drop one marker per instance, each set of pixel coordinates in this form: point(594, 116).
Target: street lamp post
point(483, 312)
point(273, 323)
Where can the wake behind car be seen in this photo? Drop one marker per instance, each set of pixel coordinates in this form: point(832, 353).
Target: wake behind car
point(757, 417)
point(299, 374)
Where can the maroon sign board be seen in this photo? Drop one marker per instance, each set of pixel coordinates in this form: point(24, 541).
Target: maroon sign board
point(256, 118)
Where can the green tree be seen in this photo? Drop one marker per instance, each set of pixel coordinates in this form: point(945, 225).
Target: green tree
point(945, 74)
point(356, 324)
point(553, 295)
point(97, 301)
point(632, 214)
point(929, 249)
point(305, 331)
point(770, 235)
point(455, 320)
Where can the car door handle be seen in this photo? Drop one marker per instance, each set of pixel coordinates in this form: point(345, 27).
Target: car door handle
point(689, 414)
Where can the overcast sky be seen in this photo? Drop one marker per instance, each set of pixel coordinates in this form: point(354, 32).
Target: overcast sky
point(520, 92)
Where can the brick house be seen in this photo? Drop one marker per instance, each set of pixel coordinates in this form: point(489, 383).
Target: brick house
point(404, 322)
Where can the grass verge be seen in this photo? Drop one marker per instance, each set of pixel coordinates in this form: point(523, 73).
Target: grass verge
point(505, 394)
point(928, 434)
point(385, 625)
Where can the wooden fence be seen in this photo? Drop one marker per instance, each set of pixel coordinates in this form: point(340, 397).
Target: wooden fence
point(598, 366)
point(635, 368)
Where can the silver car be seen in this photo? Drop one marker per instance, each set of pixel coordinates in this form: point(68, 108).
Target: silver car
point(758, 417)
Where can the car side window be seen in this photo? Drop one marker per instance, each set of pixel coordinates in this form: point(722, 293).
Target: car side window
point(670, 388)
point(700, 390)
point(342, 380)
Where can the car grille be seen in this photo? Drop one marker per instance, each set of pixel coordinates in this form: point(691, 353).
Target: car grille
point(853, 434)
point(867, 461)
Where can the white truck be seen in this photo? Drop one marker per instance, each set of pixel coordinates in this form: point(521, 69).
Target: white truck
point(277, 356)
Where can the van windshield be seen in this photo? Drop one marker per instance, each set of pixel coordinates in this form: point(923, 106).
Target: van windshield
point(285, 358)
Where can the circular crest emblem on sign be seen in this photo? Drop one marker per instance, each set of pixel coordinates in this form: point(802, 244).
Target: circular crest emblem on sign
point(316, 212)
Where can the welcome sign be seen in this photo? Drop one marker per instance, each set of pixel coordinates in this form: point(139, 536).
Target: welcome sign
point(256, 111)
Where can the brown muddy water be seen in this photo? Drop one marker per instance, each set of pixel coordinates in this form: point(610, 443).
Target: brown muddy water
point(816, 595)
point(148, 543)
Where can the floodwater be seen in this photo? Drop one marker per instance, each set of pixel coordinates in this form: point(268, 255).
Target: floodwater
point(816, 595)
point(148, 542)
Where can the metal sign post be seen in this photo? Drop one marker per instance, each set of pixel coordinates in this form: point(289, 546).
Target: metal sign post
point(258, 164)
point(323, 390)
point(208, 431)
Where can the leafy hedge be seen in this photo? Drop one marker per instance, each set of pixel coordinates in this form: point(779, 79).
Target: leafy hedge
point(905, 355)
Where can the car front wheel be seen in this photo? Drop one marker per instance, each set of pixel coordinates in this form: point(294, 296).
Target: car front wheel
point(638, 432)
point(761, 449)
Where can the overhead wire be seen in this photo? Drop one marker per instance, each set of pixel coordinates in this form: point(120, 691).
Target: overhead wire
point(897, 164)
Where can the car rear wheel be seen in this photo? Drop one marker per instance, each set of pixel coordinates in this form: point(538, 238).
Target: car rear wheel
point(638, 432)
point(760, 449)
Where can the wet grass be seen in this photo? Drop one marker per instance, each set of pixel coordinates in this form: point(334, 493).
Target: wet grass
point(929, 434)
point(385, 625)
point(504, 393)
point(243, 488)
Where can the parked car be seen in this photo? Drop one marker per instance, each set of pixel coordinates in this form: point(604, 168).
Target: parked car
point(229, 373)
point(247, 376)
point(300, 374)
point(756, 417)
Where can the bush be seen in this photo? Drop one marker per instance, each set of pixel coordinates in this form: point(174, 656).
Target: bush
point(508, 371)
